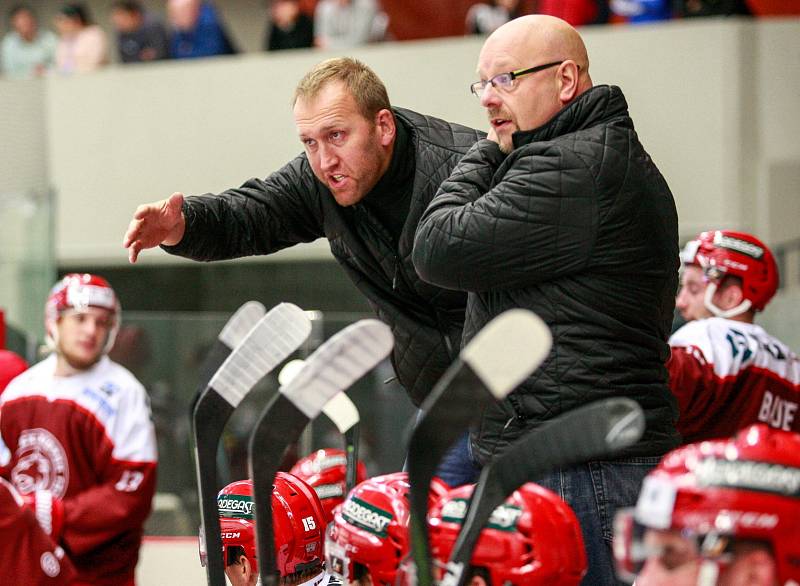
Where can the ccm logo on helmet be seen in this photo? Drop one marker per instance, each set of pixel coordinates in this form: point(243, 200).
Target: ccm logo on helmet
point(231, 535)
point(742, 246)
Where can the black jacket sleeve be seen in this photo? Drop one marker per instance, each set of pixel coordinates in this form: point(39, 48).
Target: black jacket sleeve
point(506, 224)
point(260, 217)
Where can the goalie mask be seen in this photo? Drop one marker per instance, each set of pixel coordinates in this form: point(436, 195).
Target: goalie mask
point(326, 472)
point(722, 253)
point(297, 519)
point(713, 501)
point(78, 292)
point(533, 538)
point(369, 532)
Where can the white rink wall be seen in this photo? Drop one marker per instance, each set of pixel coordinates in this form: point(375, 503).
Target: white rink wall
point(169, 561)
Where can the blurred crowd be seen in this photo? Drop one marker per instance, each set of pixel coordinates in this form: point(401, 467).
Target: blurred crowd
point(198, 28)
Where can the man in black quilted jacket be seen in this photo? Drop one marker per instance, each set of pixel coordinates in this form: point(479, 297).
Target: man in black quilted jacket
point(561, 211)
point(367, 174)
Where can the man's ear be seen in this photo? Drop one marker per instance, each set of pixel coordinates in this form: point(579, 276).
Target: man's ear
point(385, 124)
point(568, 74)
point(728, 296)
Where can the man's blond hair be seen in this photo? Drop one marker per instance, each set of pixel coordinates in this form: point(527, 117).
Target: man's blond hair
point(359, 80)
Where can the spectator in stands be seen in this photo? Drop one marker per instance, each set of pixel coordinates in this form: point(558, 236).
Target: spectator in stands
point(483, 19)
point(11, 365)
point(341, 24)
point(198, 30)
point(726, 371)
point(27, 51)
point(575, 12)
point(140, 36)
point(290, 28)
point(82, 45)
point(639, 11)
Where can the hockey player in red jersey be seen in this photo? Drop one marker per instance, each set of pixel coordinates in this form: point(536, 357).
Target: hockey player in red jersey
point(722, 512)
point(27, 554)
point(533, 539)
point(298, 525)
point(368, 538)
point(78, 426)
point(726, 371)
point(325, 471)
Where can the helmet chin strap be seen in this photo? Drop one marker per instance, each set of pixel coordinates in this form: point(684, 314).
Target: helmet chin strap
point(711, 289)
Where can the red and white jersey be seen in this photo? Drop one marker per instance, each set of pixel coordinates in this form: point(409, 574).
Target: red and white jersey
point(89, 439)
point(728, 374)
point(27, 554)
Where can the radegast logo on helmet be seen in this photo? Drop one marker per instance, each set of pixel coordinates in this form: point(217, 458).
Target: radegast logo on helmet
point(234, 506)
point(738, 245)
point(364, 515)
point(504, 517)
point(758, 476)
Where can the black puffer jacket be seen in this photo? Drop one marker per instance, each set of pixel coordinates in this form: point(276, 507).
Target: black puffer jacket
point(578, 225)
point(292, 206)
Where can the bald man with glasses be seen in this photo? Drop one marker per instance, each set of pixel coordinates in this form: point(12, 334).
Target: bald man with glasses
point(561, 210)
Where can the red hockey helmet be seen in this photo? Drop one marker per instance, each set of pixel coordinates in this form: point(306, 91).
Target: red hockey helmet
point(532, 538)
point(326, 471)
point(297, 519)
point(718, 492)
point(78, 292)
point(724, 252)
point(370, 528)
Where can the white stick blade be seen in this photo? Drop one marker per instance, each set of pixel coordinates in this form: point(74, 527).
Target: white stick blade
point(267, 344)
point(240, 323)
point(337, 364)
point(342, 412)
point(508, 349)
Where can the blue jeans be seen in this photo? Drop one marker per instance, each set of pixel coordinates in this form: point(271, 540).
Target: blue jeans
point(458, 466)
point(595, 491)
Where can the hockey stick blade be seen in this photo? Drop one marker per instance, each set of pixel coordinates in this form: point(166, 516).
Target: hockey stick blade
point(503, 354)
point(274, 337)
point(596, 431)
point(343, 414)
point(229, 337)
point(332, 368)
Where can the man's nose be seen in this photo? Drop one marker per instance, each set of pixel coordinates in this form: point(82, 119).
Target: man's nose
point(490, 97)
point(327, 158)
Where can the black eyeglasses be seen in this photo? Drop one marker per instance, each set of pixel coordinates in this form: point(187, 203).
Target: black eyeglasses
point(506, 80)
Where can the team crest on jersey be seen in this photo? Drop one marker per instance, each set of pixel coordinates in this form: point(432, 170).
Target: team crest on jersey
point(41, 463)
